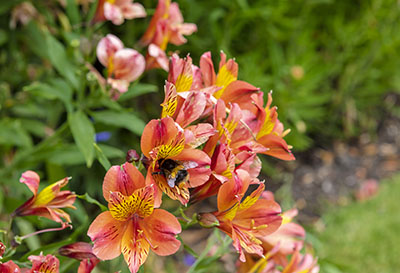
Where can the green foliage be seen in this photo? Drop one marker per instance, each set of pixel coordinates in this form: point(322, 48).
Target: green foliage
point(329, 63)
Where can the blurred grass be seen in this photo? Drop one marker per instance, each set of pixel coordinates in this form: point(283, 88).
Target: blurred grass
point(363, 237)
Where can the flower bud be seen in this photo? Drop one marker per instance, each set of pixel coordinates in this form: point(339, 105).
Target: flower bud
point(78, 250)
point(207, 220)
point(132, 156)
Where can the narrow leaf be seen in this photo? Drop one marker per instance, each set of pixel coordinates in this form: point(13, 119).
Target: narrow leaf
point(91, 200)
point(83, 132)
point(120, 119)
point(102, 157)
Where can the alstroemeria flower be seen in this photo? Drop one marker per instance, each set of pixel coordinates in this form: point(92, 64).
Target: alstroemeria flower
point(48, 202)
point(228, 71)
point(81, 251)
point(266, 128)
point(246, 221)
point(118, 10)
point(170, 13)
point(41, 263)
point(9, 267)
point(166, 26)
point(163, 140)
point(132, 225)
point(124, 65)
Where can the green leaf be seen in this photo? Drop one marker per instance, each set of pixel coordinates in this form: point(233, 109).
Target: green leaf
point(120, 119)
point(35, 127)
point(59, 59)
point(55, 89)
point(91, 200)
point(83, 132)
point(102, 157)
point(73, 12)
point(68, 154)
point(138, 89)
point(7, 5)
point(13, 133)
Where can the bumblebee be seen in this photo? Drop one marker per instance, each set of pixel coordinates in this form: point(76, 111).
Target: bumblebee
point(175, 172)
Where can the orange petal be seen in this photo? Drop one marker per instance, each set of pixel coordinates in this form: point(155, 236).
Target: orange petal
point(158, 132)
point(134, 246)
point(232, 191)
point(124, 179)
point(239, 92)
point(262, 217)
point(106, 234)
point(207, 69)
point(277, 147)
point(160, 229)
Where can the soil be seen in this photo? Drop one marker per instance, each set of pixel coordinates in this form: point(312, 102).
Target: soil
point(325, 177)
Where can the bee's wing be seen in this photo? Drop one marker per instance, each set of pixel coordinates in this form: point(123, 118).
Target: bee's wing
point(171, 181)
point(189, 164)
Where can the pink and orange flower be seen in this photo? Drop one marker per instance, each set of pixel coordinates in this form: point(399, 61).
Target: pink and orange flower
point(48, 202)
point(166, 26)
point(40, 264)
point(245, 221)
point(124, 65)
point(163, 140)
point(132, 225)
point(117, 11)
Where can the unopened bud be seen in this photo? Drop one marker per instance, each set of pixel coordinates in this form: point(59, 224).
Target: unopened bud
point(132, 156)
point(78, 250)
point(207, 220)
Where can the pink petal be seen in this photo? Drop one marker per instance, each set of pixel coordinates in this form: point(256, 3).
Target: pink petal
point(32, 180)
point(107, 47)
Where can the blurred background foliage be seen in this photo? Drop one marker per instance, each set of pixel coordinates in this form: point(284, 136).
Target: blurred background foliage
point(332, 66)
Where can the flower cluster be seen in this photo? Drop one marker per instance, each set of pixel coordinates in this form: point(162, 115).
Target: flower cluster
point(206, 143)
point(125, 65)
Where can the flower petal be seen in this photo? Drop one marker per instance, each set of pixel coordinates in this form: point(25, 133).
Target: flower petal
point(134, 246)
point(106, 234)
point(277, 147)
point(160, 229)
point(124, 179)
point(128, 64)
point(107, 47)
point(32, 180)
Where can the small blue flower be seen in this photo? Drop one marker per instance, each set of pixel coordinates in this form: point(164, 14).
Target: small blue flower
point(103, 136)
point(189, 260)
